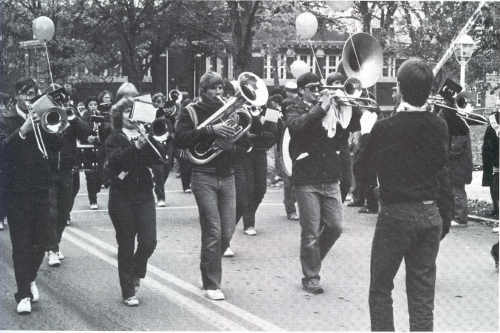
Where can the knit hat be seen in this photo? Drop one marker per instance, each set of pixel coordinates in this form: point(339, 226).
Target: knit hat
point(307, 78)
point(209, 80)
point(335, 76)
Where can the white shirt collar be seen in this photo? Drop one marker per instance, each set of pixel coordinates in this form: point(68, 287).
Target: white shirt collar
point(404, 106)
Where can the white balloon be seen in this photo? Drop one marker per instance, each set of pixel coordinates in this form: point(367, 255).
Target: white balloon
point(298, 67)
point(306, 25)
point(43, 28)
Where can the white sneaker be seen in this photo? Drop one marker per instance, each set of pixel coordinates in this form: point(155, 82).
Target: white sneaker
point(53, 259)
point(161, 203)
point(250, 231)
point(131, 301)
point(228, 252)
point(495, 230)
point(24, 306)
point(1, 225)
point(214, 295)
point(60, 255)
point(34, 292)
point(456, 224)
point(94, 206)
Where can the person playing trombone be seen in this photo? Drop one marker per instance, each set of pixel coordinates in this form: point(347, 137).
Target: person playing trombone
point(27, 172)
point(316, 173)
point(131, 202)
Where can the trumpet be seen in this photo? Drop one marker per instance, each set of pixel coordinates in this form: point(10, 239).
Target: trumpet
point(252, 90)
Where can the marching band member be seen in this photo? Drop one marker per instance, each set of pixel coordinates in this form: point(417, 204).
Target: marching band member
point(262, 136)
point(61, 188)
point(27, 191)
point(490, 159)
point(93, 176)
point(162, 170)
point(409, 153)
point(212, 183)
point(289, 198)
point(131, 203)
point(316, 173)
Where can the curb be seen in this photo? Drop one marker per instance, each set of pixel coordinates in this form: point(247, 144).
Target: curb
point(484, 220)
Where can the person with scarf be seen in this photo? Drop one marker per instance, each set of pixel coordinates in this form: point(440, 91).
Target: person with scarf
point(212, 183)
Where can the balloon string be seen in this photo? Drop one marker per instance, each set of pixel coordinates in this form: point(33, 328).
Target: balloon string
point(316, 60)
point(48, 62)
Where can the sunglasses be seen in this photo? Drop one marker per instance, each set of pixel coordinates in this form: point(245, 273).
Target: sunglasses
point(313, 87)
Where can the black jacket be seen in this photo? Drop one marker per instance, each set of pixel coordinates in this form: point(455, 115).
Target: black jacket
point(323, 164)
point(22, 163)
point(65, 159)
point(187, 136)
point(409, 152)
point(127, 167)
point(263, 136)
point(490, 153)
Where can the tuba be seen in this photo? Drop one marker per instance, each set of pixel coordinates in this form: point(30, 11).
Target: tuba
point(251, 90)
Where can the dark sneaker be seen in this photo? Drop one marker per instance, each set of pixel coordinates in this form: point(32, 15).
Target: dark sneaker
point(355, 204)
point(312, 286)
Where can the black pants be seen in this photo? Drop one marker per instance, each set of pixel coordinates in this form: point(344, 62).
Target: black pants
point(185, 168)
point(132, 217)
point(3, 203)
point(494, 192)
point(256, 175)
point(76, 184)
point(242, 191)
point(93, 184)
point(409, 231)
point(28, 214)
point(60, 201)
point(160, 176)
point(346, 172)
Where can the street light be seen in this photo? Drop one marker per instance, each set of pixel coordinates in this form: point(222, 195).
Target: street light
point(464, 48)
point(196, 59)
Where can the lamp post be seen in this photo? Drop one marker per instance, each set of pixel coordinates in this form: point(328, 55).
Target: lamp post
point(464, 48)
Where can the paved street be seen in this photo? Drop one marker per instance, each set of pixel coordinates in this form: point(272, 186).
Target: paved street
point(261, 283)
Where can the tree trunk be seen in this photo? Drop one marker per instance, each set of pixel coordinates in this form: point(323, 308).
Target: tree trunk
point(275, 69)
point(157, 72)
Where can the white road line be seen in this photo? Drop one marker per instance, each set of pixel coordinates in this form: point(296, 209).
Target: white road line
point(200, 311)
point(270, 204)
point(235, 310)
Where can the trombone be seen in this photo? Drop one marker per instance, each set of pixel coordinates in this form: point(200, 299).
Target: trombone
point(352, 94)
point(461, 108)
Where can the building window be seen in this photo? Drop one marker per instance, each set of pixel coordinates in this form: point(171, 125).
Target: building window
point(307, 59)
point(331, 62)
point(268, 67)
point(389, 68)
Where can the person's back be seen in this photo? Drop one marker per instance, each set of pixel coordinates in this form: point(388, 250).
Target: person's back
point(411, 148)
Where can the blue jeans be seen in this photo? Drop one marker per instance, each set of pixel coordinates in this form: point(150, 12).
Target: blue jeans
point(216, 200)
point(411, 231)
point(320, 208)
